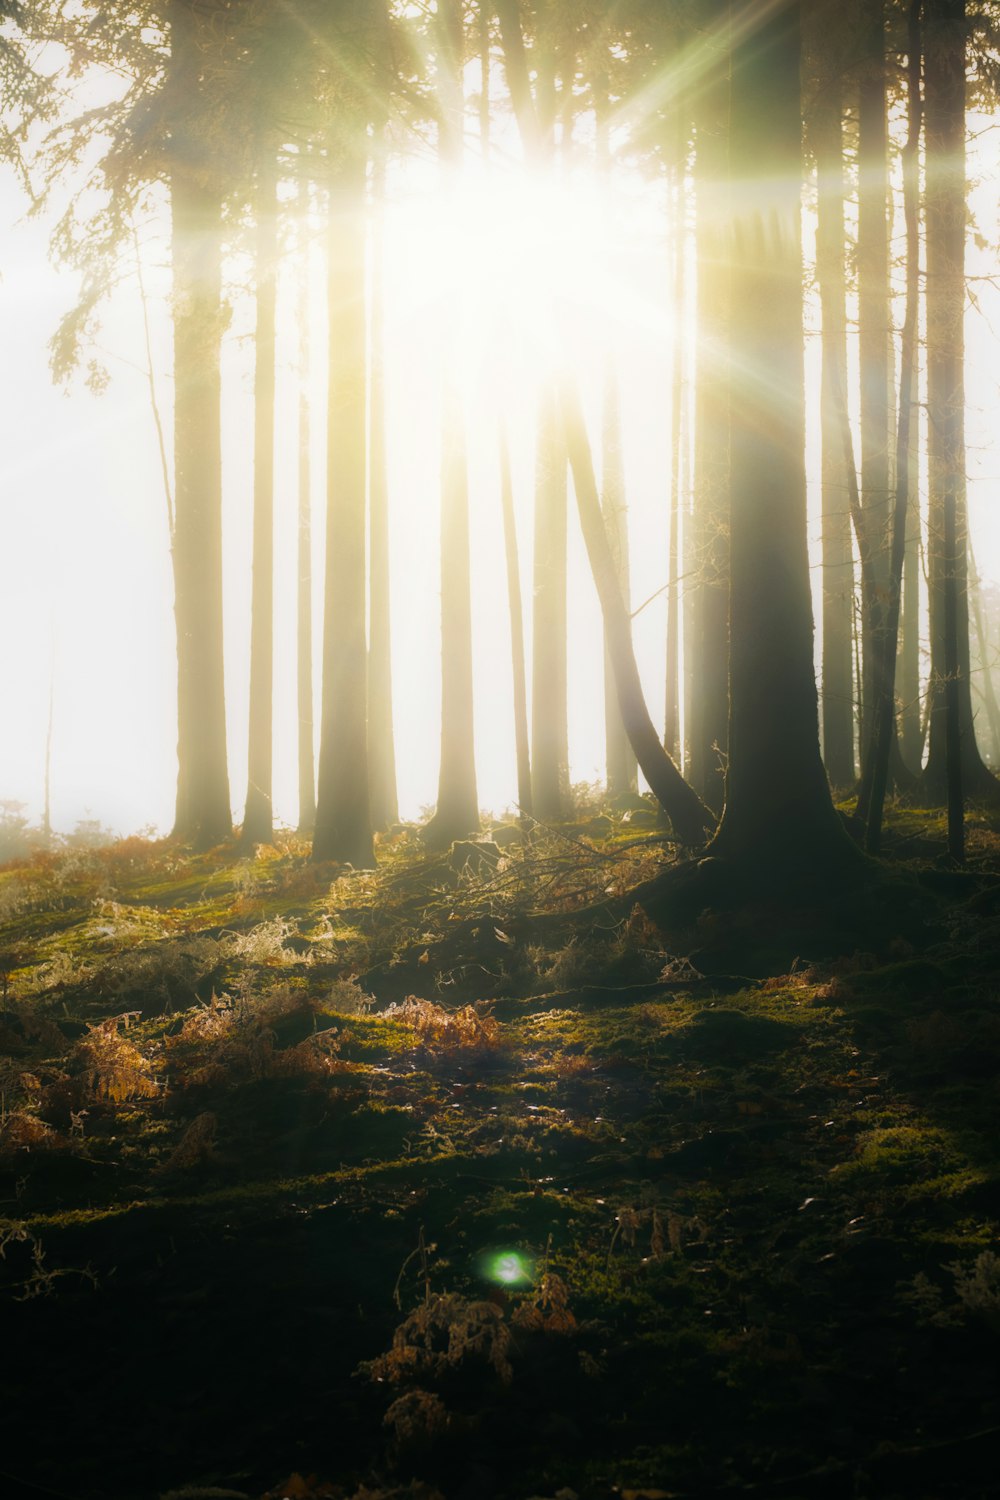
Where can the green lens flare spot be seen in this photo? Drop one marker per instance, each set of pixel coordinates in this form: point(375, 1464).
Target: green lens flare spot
point(509, 1268)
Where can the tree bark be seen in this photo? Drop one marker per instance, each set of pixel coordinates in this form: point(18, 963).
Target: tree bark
point(381, 737)
point(258, 823)
point(343, 819)
point(304, 630)
point(203, 814)
point(709, 686)
point(837, 557)
point(522, 753)
point(688, 815)
point(779, 816)
point(457, 812)
point(947, 513)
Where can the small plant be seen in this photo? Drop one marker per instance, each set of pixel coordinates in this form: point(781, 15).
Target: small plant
point(112, 1068)
point(440, 1334)
point(464, 1029)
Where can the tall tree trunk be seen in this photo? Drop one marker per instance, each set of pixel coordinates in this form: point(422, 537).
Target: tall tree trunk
point(875, 770)
point(873, 330)
point(709, 686)
point(343, 818)
point(522, 753)
point(203, 813)
point(620, 760)
point(381, 739)
point(778, 815)
point(304, 631)
point(947, 513)
point(983, 651)
point(838, 563)
point(688, 815)
point(671, 718)
point(457, 811)
point(549, 734)
point(911, 739)
point(258, 824)
point(620, 763)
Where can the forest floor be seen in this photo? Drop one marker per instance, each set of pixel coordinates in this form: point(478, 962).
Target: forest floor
point(421, 1182)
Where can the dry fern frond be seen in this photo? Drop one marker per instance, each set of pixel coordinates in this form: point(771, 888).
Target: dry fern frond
point(548, 1310)
point(112, 1068)
point(447, 1029)
point(440, 1334)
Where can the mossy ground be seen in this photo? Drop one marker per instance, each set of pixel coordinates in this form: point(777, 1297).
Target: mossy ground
point(748, 1163)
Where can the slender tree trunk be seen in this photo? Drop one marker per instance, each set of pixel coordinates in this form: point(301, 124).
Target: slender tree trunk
point(688, 815)
point(911, 740)
point(947, 514)
point(619, 758)
point(838, 563)
point(671, 719)
point(381, 739)
point(875, 771)
point(873, 330)
point(258, 826)
point(709, 685)
point(549, 734)
point(343, 818)
point(620, 764)
point(203, 813)
point(304, 631)
point(457, 811)
point(516, 632)
point(778, 815)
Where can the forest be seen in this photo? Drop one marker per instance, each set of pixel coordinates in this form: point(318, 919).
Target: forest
point(500, 838)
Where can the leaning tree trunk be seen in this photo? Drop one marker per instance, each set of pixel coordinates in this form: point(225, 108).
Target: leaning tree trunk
point(688, 815)
point(343, 819)
point(947, 512)
point(203, 813)
point(258, 821)
point(457, 811)
point(779, 816)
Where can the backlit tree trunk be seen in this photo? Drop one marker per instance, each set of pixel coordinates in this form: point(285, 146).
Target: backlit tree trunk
point(838, 564)
point(343, 820)
point(947, 516)
point(258, 825)
point(778, 813)
point(457, 810)
point(304, 631)
point(709, 730)
point(203, 813)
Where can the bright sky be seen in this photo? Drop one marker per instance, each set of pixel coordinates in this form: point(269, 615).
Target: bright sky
point(86, 593)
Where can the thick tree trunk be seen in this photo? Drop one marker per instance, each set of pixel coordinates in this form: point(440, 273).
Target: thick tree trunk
point(947, 566)
point(838, 562)
point(258, 823)
point(343, 820)
point(457, 812)
point(779, 815)
point(381, 738)
point(203, 814)
point(709, 685)
point(687, 813)
point(303, 598)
